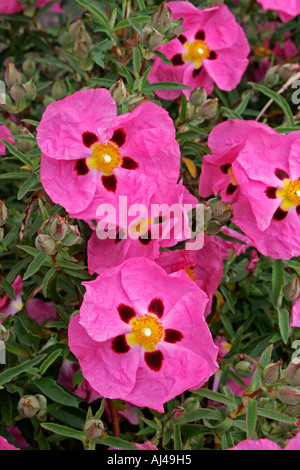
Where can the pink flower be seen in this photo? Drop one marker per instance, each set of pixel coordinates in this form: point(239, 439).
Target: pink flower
point(10, 7)
point(40, 310)
point(111, 252)
point(212, 49)
point(9, 306)
point(4, 445)
point(140, 329)
point(4, 134)
point(65, 378)
point(267, 444)
point(267, 171)
point(204, 266)
point(286, 10)
point(17, 435)
point(91, 156)
point(225, 142)
point(295, 317)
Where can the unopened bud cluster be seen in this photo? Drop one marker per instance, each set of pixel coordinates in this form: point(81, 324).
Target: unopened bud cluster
point(216, 214)
point(199, 107)
point(21, 92)
point(56, 230)
point(3, 218)
point(94, 428)
point(32, 405)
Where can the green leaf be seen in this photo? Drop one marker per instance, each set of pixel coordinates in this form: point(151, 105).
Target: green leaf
point(46, 280)
point(196, 415)
point(64, 431)
point(282, 103)
point(214, 396)
point(54, 391)
point(276, 415)
point(163, 58)
point(177, 438)
point(284, 323)
point(18, 154)
point(49, 361)
point(277, 279)
point(263, 361)
point(116, 442)
point(35, 265)
point(11, 373)
point(32, 180)
point(251, 417)
point(8, 288)
point(167, 86)
point(137, 61)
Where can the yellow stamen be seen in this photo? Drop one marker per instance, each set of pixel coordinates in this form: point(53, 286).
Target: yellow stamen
point(290, 194)
point(196, 52)
point(261, 51)
point(147, 331)
point(105, 158)
point(190, 273)
point(234, 181)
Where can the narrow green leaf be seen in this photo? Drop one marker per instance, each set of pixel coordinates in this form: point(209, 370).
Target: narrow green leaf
point(18, 154)
point(35, 265)
point(64, 431)
point(251, 417)
point(49, 361)
point(284, 323)
point(282, 103)
point(277, 279)
point(54, 391)
point(11, 373)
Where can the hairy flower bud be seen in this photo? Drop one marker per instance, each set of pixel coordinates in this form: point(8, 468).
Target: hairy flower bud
point(151, 38)
point(12, 75)
point(198, 96)
point(135, 100)
point(271, 373)
point(29, 68)
point(4, 334)
point(288, 395)
point(222, 211)
point(75, 29)
point(3, 213)
point(272, 76)
point(213, 227)
point(45, 243)
point(162, 18)
point(28, 406)
point(43, 405)
point(18, 92)
point(118, 92)
point(59, 90)
point(175, 29)
point(25, 145)
point(286, 71)
point(72, 236)
point(244, 368)
point(58, 228)
point(292, 289)
point(292, 374)
point(94, 428)
point(30, 90)
point(209, 108)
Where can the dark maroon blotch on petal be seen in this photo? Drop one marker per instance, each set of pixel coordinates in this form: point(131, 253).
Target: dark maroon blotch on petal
point(281, 174)
point(146, 239)
point(271, 192)
point(81, 167)
point(110, 183)
point(231, 188)
point(119, 345)
point(196, 72)
point(129, 164)
point(172, 336)
point(212, 55)
point(298, 210)
point(89, 138)
point(154, 360)
point(225, 168)
point(156, 306)
point(126, 312)
point(200, 35)
point(280, 214)
point(182, 38)
point(119, 137)
point(177, 59)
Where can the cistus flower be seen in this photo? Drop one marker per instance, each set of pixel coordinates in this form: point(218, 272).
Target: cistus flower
point(267, 171)
point(9, 306)
point(10, 7)
point(91, 156)
point(140, 329)
point(267, 444)
point(212, 49)
point(4, 134)
point(295, 317)
point(286, 10)
point(225, 142)
point(4, 445)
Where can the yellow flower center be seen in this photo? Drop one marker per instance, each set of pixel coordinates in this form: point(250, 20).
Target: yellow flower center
point(290, 194)
point(141, 226)
point(261, 51)
point(196, 52)
point(234, 181)
point(105, 158)
point(190, 273)
point(147, 331)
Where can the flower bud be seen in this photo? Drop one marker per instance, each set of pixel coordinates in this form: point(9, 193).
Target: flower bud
point(12, 75)
point(135, 100)
point(222, 211)
point(175, 29)
point(29, 68)
point(58, 228)
point(177, 411)
point(43, 405)
point(118, 92)
point(3, 213)
point(292, 289)
point(292, 374)
point(1, 234)
point(288, 395)
point(4, 334)
point(30, 90)
point(75, 29)
point(72, 236)
point(58, 90)
point(45, 244)
point(286, 71)
point(207, 213)
point(272, 76)
point(198, 96)
point(213, 227)
point(25, 145)
point(271, 373)
point(151, 38)
point(162, 18)
point(244, 368)
point(18, 92)
point(28, 406)
point(94, 428)
point(209, 108)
